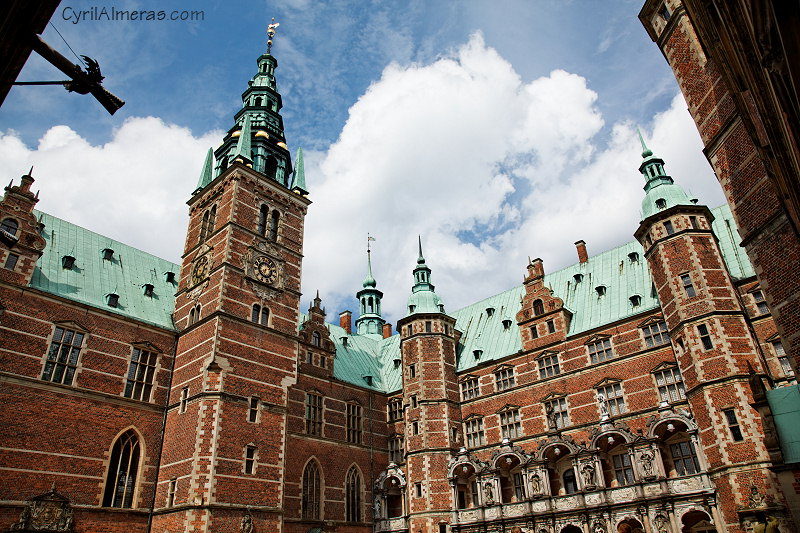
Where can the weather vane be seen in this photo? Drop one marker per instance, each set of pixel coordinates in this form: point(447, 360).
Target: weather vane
point(369, 238)
point(271, 33)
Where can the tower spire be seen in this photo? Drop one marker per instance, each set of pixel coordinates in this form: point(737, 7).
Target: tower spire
point(206, 172)
point(661, 192)
point(423, 299)
point(369, 298)
point(646, 152)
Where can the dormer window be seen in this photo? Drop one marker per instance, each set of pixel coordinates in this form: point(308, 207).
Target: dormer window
point(368, 379)
point(538, 307)
point(477, 353)
point(67, 262)
point(344, 342)
point(601, 290)
point(633, 257)
point(411, 308)
point(113, 300)
point(441, 308)
point(661, 203)
point(507, 323)
point(148, 290)
point(489, 312)
point(316, 339)
point(108, 254)
point(636, 300)
point(170, 277)
point(578, 278)
point(397, 363)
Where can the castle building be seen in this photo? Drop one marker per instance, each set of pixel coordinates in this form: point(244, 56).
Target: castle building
point(632, 391)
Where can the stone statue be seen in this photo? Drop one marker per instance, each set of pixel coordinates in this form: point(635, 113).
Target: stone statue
point(488, 494)
point(601, 400)
point(647, 464)
point(661, 522)
point(536, 484)
point(588, 474)
point(550, 412)
point(756, 498)
point(377, 507)
point(246, 525)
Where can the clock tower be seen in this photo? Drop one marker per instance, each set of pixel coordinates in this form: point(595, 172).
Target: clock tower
point(236, 310)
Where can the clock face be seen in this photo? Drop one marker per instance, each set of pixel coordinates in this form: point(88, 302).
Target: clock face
point(265, 270)
point(200, 269)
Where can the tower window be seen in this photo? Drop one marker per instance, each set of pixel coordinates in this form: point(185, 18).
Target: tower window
point(11, 261)
point(661, 203)
point(262, 220)
point(686, 280)
point(733, 424)
point(250, 459)
point(551, 326)
point(10, 227)
point(428, 326)
point(273, 225)
point(705, 336)
point(184, 400)
point(664, 13)
point(412, 371)
point(668, 227)
point(538, 307)
point(316, 339)
point(762, 306)
point(693, 222)
point(259, 315)
point(413, 401)
point(252, 413)
point(534, 332)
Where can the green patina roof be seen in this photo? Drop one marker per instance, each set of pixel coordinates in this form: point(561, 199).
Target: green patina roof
point(206, 173)
point(299, 173)
point(785, 405)
point(613, 269)
point(92, 278)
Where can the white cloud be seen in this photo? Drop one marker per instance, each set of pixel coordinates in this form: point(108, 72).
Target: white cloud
point(487, 168)
point(133, 189)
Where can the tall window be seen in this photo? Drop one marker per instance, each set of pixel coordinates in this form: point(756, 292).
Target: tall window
point(538, 307)
point(655, 334)
point(504, 378)
point(670, 385)
point(762, 306)
point(623, 470)
point(473, 429)
point(249, 459)
point(600, 350)
point(548, 365)
point(684, 458)
point(140, 375)
point(313, 414)
point(354, 423)
point(686, 281)
point(510, 424)
point(123, 469)
point(615, 401)
point(263, 213)
point(395, 408)
point(207, 226)
point(733, 424)
point(470, 389)
point(310, 505)
point(316, 339)
point(62, 357)
point(396, 449)
point(668, 227)
point(556, 410)
point(353, 496)
point(783, 359)
point(260, 315)
point(273, 225)
point(705, 337)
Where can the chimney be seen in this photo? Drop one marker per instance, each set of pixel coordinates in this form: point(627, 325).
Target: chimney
point(346, 321)
point(387, 331)
point(582, 255)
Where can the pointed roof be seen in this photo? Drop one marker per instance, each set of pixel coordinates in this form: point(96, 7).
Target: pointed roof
point(369, 281)
point(661, 192)
point(423, 299)
point(206, 173)
point(243, 149)
point(299, 184)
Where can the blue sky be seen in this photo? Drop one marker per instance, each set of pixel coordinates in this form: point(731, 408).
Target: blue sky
point(497, 130)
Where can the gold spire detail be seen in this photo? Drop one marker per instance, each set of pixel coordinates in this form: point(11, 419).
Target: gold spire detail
point(271, 33)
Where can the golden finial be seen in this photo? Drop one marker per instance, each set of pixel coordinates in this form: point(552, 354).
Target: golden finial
point(271, 33)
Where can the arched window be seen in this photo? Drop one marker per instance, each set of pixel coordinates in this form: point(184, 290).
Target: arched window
point(194, 314)
point(311, 491)
point(353, 496)
point(271, 167)
point(316, 339)
point(370, 305)
point(570, 485)
point(538, 307)
point(204, 228)
point(260, 315)
point(258, 101)
point(273, 226)
point(122, 471)
point(212, 220)
point(262, 220)
point(10, 226)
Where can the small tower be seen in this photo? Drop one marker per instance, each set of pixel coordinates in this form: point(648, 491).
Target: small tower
point(369, 321)
point(711, 339)
point(430, 393)
point(21, 240)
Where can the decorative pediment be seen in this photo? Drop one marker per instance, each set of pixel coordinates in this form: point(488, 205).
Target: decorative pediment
point(71, 324)
point(147, 346)
point(596, 338)
point(507, 407)
point(664, 365)
point(607, 381)
point(547, 353)
point(466, 462)
point(471, 416)
point(501, 367)
point(652, 319)
point(467, 377)
point(554, 396)
point(618, 427)
point(50, 512)
point(394, 474)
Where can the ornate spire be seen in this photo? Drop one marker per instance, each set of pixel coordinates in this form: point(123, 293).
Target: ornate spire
point(299, 184)
point(243, 145)
point(645, 150)
point(271, 33)
point(206, 173)
point(369, 298)
point(423, 299)
point(661, 192)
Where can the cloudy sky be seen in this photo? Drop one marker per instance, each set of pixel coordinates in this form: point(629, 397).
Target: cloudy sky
point(497, 130)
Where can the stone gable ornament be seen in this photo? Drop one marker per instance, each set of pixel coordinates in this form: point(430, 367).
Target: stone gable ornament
point(50, 512)
point(246, 524)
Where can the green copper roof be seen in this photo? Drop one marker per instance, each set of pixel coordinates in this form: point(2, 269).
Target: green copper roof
point(299, 183)
point(785, 405)
point(206, 173)
point(93, 278)
point(423, 299)
point(660, 189)
point(243, 148)
point(622, 272)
